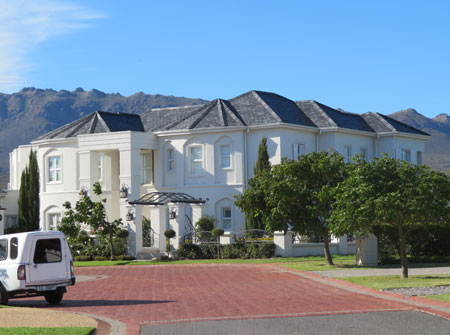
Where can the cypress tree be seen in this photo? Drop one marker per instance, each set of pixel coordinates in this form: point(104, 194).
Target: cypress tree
point(262, 163)
point(253, 221)
point(29, 196)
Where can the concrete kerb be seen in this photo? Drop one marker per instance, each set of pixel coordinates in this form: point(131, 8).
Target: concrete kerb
point(117, 327)
point(432, 307)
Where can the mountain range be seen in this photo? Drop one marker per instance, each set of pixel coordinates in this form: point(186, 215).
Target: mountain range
point(31, 112)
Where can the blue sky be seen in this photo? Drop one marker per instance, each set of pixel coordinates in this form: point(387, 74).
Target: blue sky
point(379, 56)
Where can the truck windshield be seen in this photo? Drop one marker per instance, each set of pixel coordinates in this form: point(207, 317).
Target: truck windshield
point(3, 250)
point(47, 251)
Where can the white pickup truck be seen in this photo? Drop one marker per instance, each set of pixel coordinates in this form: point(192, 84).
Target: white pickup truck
point(35, 264)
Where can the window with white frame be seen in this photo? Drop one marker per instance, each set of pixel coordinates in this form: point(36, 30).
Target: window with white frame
point(146, 168)
point(196, 157)
point(171, 159)
point(363, 153)
point(406, 155)
point(53, 220)
point(54, 169)
point(225, 156)
point(419, 158)
point(347, 154)
point(100, 166)
point(298, 149)
point(226, 218)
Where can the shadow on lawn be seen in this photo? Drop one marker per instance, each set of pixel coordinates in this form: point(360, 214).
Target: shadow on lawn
point(85, 303)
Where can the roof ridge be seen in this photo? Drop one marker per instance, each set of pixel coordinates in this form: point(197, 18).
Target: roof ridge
point(402, 123)
point(320, 110)
point(177, 107)
point(379, 116)
point(233, 113)
point(222, 112)
point(206, 112)
point(103, 122)
point(266, 106)
point(176, 122)
point(61, 129)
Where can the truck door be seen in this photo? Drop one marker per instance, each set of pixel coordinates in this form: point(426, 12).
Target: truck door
point(47, 260)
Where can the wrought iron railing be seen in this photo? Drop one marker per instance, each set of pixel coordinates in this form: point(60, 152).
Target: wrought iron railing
point(254, 236)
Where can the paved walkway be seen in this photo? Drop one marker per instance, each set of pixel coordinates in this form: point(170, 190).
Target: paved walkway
point(385, 272)
point(166, 294)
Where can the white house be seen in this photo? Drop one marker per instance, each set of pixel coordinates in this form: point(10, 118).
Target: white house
point(207, 152)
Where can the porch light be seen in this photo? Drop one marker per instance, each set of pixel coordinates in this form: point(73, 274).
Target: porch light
point(83, 193)
point(172, 214)
point(129, 216)
point(124, 191)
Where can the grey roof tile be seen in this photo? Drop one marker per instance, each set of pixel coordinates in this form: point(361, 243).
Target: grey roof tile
point(97, 122)
point(324, 116)
point(382, 124)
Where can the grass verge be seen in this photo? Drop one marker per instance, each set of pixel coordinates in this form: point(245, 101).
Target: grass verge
point(47, 331)
point(440, 297)
point(384, 282)
point(315, 262)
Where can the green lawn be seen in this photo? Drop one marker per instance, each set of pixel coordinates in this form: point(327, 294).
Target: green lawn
point(47, 331)
point(440, 297)
point(384, 282)
point(314, 262)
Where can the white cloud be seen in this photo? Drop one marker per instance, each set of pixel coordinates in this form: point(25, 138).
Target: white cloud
point(24, 24)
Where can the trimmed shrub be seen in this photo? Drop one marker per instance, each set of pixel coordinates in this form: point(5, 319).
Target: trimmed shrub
point(125, 258)
point(188, 250)
point(100, 258)
point(82, 258)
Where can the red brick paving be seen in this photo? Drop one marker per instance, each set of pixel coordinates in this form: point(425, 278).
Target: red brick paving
point(173, 293)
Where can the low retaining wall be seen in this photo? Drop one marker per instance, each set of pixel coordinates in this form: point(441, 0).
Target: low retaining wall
point(316, 249)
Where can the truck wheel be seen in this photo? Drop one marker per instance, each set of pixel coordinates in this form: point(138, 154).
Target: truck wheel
point(54, 297)
point(3, 297)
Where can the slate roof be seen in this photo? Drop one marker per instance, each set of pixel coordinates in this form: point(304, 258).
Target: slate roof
point(384, 124)
point(249, 109)
point(327, 117)
point(97, 122)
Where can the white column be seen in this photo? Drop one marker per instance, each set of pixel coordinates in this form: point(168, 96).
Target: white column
point(198, 210)
point(228, 238)
point(2, 221)
point(158, 218)
point(177, 223)
point(135, 229)
point(130, 171)
point(343, 245)
point(86, 159)
point(367, 251)
point(283, 243)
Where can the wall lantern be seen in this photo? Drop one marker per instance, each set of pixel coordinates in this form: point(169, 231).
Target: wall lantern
point(83, 193)
point(172, 214)
point(129, 216)
point(124, 191)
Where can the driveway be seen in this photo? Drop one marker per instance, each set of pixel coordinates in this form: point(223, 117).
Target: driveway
point(169, 294)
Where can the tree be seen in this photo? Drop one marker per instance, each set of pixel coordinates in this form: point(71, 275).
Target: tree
point(391, 193)
point(92, 214)
point(169, 233)
point(28, 202)
point(297, 193)
point(253, 220)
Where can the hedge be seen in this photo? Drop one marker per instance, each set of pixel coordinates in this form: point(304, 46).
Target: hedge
point(188, 250)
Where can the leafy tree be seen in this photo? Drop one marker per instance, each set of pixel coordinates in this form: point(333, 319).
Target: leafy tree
point(93, 214)
point(29, 195)
point(297, 193)
point(253, 220)
point(391, 193)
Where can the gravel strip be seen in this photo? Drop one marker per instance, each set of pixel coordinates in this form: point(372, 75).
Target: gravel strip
point(384, 272)
point(36, 317)
point(417, 291)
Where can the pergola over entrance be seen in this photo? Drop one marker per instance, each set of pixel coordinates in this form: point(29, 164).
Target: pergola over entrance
point(161, 204)
point(163, 198)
